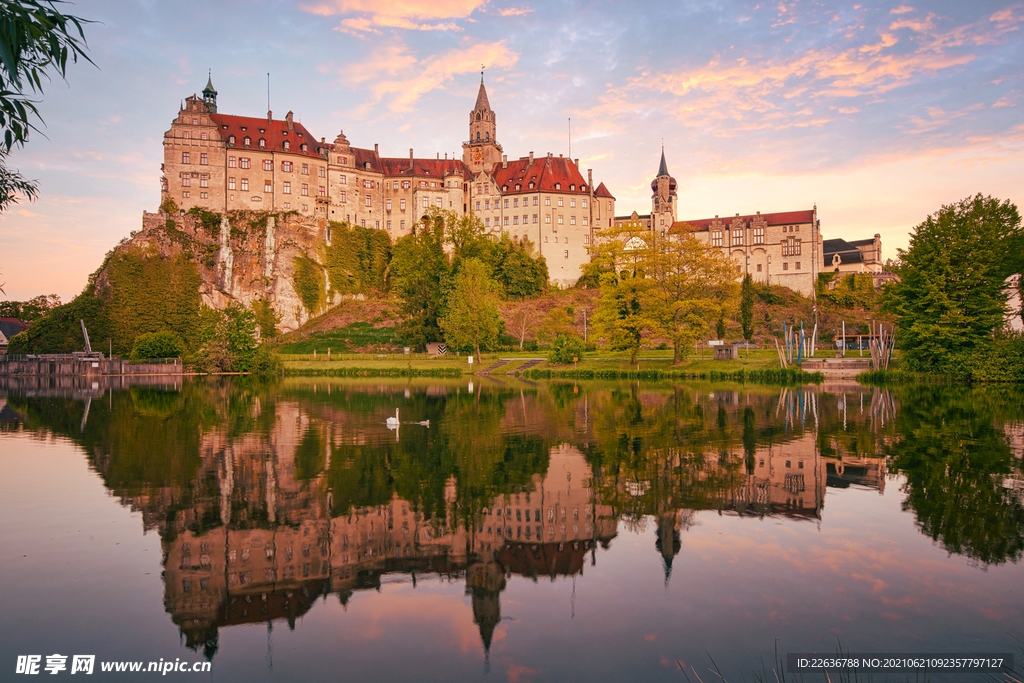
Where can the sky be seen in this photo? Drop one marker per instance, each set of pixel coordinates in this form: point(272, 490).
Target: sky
point(879, 113)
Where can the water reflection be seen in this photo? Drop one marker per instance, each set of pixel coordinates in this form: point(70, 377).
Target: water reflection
point(267, 498)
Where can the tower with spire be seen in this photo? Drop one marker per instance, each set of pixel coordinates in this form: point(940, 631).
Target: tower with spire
point(663, 198)
point(210, 94)
point(482, 151)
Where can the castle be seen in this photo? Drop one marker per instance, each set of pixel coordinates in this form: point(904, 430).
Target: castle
point(222, 162)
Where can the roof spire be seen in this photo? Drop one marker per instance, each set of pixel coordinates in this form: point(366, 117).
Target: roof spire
point(481, 97)
point(663, 169)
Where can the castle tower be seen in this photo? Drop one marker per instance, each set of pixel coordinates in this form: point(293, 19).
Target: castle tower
point(482, 151)
point(663, 198)
point(210, 95)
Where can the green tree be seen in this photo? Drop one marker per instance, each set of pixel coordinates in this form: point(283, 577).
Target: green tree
point(519, 273)
point(566, 349)
point(620, 317)
point(35, 41)
point(472, 318)
point(28, 311)
point(421, 276)
point(747, 297)
point(228, 339)
point(266, 318)
point(689, 282)
point(157, 345)
point(950, 295)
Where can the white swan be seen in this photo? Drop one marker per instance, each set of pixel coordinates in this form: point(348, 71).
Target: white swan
point(392, 421)
point(424, 423)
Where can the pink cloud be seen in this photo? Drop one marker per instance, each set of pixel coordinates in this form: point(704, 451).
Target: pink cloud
point(402, 14)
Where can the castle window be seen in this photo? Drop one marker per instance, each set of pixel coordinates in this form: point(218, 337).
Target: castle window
point(572, 220)
point(584, 203)
point(506, 220)
point(561, 220)
point(231, 183)
point(186, 194)
point(572, 202)
point(245, 185)
point(504, 188)
point(534, 218)
point(321, 172)
point(305, 191)
point(232, 162)
point(478, 136)
point(305, 148)
point(515, 202)
point(267, 186)
point(286, 166)
point(367, 200)
point(186, 135)
point(583, 188)
point(246, 141)
point(487, 222)
point(268, 165)
point(759, 267)
point(785, 266)
point(737, 238)
point(572, 187)
point(224, 126)
point(716, 238)
point(535, 200)
point(195, 122)
point(585, 219)
point(204, 195)
point(547, 218)
point(478, 205)
point(518, 186)
point(204, 181)
point(487, 136)
point(286, 145)
point(401, 205)
point(586, 239)
point(758, 235)
point(262, 143)
point(387, 204)
point(343, 196)
point(426, 202)
point(566, 253)
point(185, 158)
point(558, 186)
point(186, 180)
point(389, 225)
point(515, 220)
point(532, 185)
point(341, 160)
point(406, 184)
point(202, 136)
point(342, 180)
point(287, 205)
point(287, 187)
point(305, 169)
point(798, 265)
point(440, 203)
point(561, 201)
point(244, 162)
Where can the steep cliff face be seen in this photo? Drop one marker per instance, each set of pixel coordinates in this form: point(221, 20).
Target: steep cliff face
point(241, 257)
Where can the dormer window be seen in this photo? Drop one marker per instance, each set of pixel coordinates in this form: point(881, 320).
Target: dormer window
point(246, 141)
point(263, 143)
point(284, 132)
point(287, 145)
point(583, 188)
point(305, 148)
point(572, 187)
point(263, 130)
point(225, 126)
point(532, 184)
point(518, 186)
point(245, 128)
point(231, 140)
point(558, 186)
point(504, 188)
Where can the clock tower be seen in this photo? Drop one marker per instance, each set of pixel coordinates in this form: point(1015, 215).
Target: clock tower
point(482, 151)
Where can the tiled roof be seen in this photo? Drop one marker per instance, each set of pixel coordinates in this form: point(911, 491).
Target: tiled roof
point(861, 243)
point(362, 156)
point(780, 218)
point(276, 132)
point(433, 168)
point(602, 191)
point(11, 326)
point(545, 173)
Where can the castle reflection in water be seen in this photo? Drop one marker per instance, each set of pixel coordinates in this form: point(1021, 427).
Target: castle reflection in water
point(261, 535)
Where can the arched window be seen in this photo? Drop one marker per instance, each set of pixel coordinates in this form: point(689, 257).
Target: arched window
point(478, 136)
point(247, 141)
point(487, 136)
point(478, 116)
point(263, 143)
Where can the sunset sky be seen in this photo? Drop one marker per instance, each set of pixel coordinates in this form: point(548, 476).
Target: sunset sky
point(878, 112)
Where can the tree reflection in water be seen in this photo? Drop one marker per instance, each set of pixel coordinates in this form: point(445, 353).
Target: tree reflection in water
point(268, 496)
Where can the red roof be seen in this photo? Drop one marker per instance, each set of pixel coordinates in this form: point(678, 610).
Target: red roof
point(602, 191)
point(780, 218)
point(544, 173)
point(433, 168)
point(275, 133)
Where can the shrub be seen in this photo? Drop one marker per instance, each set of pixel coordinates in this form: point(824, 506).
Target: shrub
point(157, 345)
point(566, 348)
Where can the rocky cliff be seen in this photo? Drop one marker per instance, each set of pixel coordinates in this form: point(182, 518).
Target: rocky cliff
point(242, 257)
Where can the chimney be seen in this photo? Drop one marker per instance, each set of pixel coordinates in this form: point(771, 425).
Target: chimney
point(439, 156)
point(322, 140)
point(576, 162)
point(375, 150)
point(410, 156)
point(270, 116)
point(290, 122)
point(504, 161)
point(531, 159)
point(590, 180)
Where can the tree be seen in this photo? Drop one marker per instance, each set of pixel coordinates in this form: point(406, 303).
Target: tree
point(472, 318)
point(522, 320)
point(620, 316)
point(35, 39)
point(557, 321)
point(517, 271)
point(157, 345)
point(747, 297)
point(28, 311)
point(950, 295)
point(421, 276)
point(566, 349)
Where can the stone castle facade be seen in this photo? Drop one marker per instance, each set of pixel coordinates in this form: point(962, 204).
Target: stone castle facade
point(783, 248)
point(222, 162)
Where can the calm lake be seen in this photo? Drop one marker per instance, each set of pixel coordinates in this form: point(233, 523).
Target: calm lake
point(507, 530)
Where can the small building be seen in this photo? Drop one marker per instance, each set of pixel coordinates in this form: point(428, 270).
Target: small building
point(727, 352)
point(857, 256)
point(8, 328)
